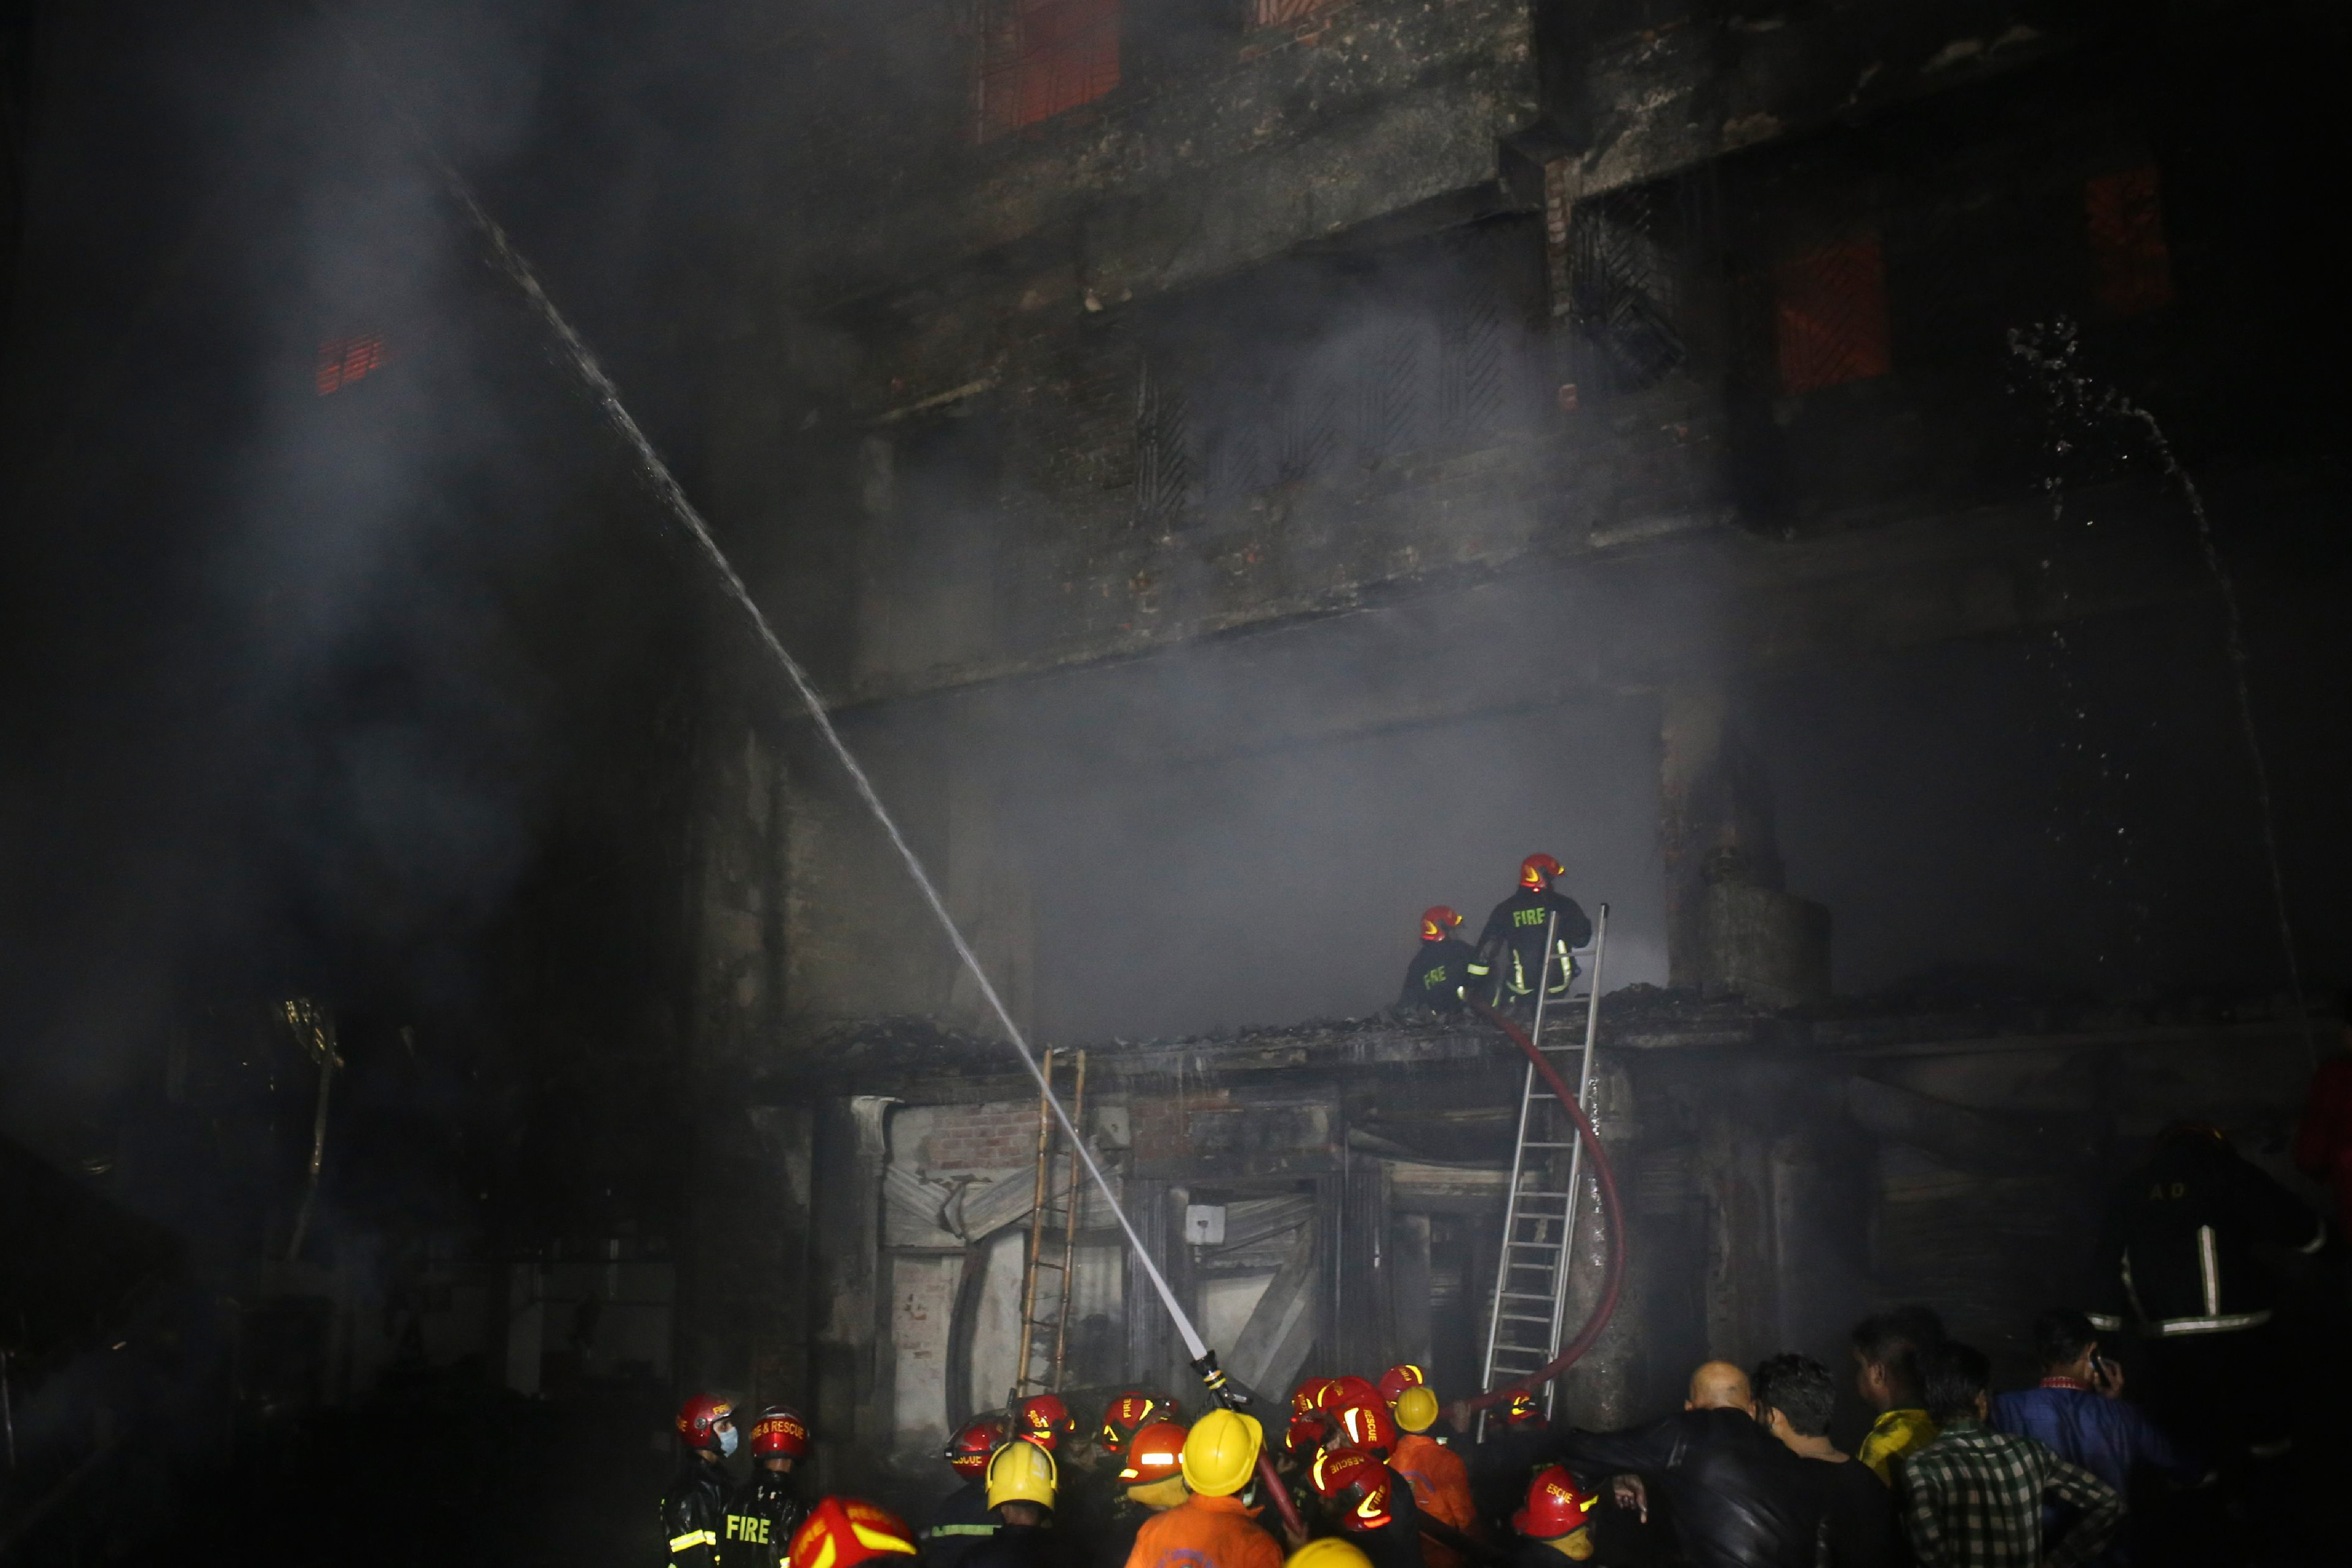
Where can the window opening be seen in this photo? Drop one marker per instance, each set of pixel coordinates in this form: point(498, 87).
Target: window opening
point(1829, 315)
point(1040, 57)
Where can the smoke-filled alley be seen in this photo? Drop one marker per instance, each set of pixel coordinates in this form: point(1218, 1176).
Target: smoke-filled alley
point(1173, 783)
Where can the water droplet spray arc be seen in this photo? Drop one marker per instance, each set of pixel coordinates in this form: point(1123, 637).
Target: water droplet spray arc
point(2053, 355)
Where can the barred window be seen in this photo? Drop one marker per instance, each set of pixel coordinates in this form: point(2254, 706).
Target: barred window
point(343, 361)
point(1829, 315)
point(1039, 58)
point(2131, 265)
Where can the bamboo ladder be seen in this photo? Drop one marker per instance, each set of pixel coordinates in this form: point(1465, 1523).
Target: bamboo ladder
point(1040, 1372)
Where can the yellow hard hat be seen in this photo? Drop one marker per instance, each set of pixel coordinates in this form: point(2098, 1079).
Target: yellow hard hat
point(1416, 1409)
point(1021, 1472)
point(1221, 1452)
point(1329, 1551)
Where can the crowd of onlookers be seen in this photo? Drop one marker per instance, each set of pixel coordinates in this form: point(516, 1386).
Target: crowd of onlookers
point(1378, 1474)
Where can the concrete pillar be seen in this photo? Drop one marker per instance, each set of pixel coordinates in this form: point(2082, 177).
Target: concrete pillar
point(1732, 929)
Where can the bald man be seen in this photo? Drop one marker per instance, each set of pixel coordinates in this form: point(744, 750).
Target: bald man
point(1719, 1386)
point(1738, 1497)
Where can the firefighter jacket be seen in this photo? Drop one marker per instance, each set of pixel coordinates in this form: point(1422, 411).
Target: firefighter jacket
point(694, 1514)
point(1512, 945)
point(2177, 1250)
point(1438, 973)
point(960, 1525)
point(1204, 1532)
point(2323, 1144)
point(760, 1519)
point(1441, 1487)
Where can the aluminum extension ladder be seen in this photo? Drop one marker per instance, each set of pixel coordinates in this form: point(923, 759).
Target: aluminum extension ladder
point(1531, 1278)
point(1044, 1342)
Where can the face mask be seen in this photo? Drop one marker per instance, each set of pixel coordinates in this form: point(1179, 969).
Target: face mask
point(727, 1444)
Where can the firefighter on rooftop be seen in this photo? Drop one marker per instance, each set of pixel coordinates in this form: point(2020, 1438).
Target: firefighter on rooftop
point(1510, 957)
point(1442, 968)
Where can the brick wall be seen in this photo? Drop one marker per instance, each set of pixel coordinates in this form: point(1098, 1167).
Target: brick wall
point(980, 1137)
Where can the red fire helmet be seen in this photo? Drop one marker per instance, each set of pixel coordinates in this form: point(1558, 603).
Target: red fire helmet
point(1347, 1390)
point(1436, 920)
point(1358, 1486)
point(1127, 1414)
point(1155, 1453)
point(779, 1430)
point(698, 1419)
point(1309, 1395)
point(1043, 1418)
point(1367, 1424)
point(969, 1449)
point(1400, 1377)
point(843, 1531)
point(1554, 1508)
point(1522, 1411)
point(1536, 869)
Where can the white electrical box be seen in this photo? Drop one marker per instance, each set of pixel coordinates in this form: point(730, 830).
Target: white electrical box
point(1204, 1223)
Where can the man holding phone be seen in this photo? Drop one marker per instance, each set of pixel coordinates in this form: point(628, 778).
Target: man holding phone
point(2078, 1412)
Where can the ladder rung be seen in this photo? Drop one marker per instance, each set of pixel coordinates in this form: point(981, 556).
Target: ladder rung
point(1535, 1246)
point(1525, 1296)
point(1532, 1192)
point(1532, 1144)
point(1045, 1263)
point(1522, 1317)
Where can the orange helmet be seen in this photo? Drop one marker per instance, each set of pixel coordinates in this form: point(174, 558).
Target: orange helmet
point(1043, 1418)
point(706, 1421)
point(1366, 1423)
point(1400, 1377)
point(1127, 1414)
point(1522, 1411)
point(779, 1430)
point(1155, 1453)
point(1358, 1483)
point(1436, 920)
point(1536, 869)
point(1554, 1508)
point(969, 1449)
point(842, 1531)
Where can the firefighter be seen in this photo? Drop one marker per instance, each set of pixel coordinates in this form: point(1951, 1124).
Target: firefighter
point(844, 1532)
point(1434, 979)
point(2178, 1251)
point(1552, 1520)
point(1043, 1420)
point(1509, 1450)
point(694, 1510)
point(1405, 1374)
point(1364, 1424)
point(1213, 1528)
point(1440, 1481)
point(961, 1521)
point(1329, 1551)
point(763, 1515)
point(1022, 1482)
point(1370, 1505)
point(1150, 1481)
point(1510, 955)
point(1129, 1413)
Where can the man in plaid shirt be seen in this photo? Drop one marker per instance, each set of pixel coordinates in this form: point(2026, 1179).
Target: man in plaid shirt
point(1972, 1499)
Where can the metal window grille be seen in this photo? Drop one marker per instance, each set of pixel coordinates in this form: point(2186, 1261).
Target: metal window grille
point(1624, 289)
point(1829, 315)
point(1164, 451)
point(2131, 265)
point(343, 361)
point(1040, 57)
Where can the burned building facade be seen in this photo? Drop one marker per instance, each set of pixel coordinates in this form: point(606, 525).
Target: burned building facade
point(1248, 472)
point(1856, 482)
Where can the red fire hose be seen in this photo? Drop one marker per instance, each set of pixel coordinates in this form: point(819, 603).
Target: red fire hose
point(1612, 1278)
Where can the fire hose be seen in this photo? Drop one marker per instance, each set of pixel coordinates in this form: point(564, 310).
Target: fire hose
point(1612, 1221)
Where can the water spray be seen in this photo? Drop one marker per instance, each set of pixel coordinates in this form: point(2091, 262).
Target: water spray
point(2077, 394)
